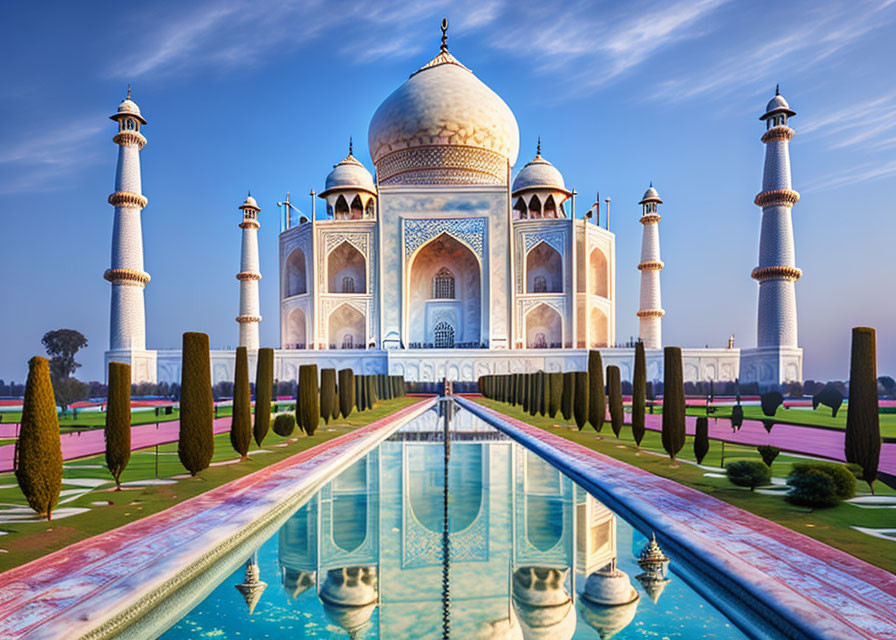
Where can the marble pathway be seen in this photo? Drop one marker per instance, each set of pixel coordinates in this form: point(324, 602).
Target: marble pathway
point(86, 585)
point(821, 591)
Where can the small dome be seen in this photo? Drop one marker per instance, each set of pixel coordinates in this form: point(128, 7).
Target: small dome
point(651, 195)
point(349, 174)
point(609, 586)
point(250, 203)
point(777, 105)
point(128, 108)
point(350, 587)
point(539, 174)
point(608, 620)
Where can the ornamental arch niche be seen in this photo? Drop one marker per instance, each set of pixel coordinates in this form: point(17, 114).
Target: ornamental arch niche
point(599, 271)
point(296, 283)
point(296, 329)
point(598, 329)
point(544, 328)
point(347, 328)
point(544, 269)
point(444, 281)
point(346, 270)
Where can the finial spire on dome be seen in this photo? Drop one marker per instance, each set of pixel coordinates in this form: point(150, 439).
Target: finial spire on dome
point(129, 91)
point(651, 184)
point(350, 145)
point(538, 148)
point(777, 89)
point(444, 46)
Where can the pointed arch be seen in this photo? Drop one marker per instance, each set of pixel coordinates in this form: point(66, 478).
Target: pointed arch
point(341, 208)
point(357, 209)
point(544, 328)
point(296, 330)
point(347, 328)
point(534, 207)
point(550, 207)
point(296, 283)
point(520, 209)
point(599, 272)
point(346, 266)
point(544, 262)
point(598, 329)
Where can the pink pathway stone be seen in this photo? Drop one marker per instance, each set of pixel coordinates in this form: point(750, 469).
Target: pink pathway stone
point(820, 589)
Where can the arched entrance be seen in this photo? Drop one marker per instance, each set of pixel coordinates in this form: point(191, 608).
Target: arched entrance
point(598, 330)
point(544, 270)
point(444, 290)
point(600, 274)
point(544, 328)
point(346, 270)
point(347, 328)
point(295, 273)
point(296, 336)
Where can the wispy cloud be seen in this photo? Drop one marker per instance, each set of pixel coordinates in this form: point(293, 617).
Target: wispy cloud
point(861, 122)
point(852, 176)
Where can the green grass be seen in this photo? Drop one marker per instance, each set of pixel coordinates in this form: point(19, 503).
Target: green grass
point(831, 526)
point(27, 541)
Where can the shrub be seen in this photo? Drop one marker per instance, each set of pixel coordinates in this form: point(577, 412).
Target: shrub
point(673, 433)
point(639, 393)
point(597, 400)
point(118, 420)
point(614, 384)
point(555, 380)
point(566, 402)
point(284, 424)
point(241, 421)
point(309, 400)
point(820, 484)
point(862, 413)
point(843, 479)
point(327, 393)
point(701, 439)
point(347, 392)
point(770, 402)
point(264, 386)
point(829, 396)
point(748, 473)
point(580, 407)
point(196, 440)
point(38, 451)
point(768, 453)
point(737, 417)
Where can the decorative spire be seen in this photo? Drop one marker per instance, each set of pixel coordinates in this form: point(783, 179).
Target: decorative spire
point(777, 89)
point(349, 145)
point(651, 184)
point(538, 148)
point(444, 47)
point(129, 91)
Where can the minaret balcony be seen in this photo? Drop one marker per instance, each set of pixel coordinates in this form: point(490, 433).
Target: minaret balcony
point(125, 138)
point(778, 133)
point(777, 198)
point(651, 265)
point(128, 199)
point(761, 274)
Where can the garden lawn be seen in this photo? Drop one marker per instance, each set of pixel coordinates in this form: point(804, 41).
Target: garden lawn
point(26, 541)
point(831, 526)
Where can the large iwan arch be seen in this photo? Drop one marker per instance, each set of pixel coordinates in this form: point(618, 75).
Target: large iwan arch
point(599, 274)
point(347, 328)
point(346, 270)
point(544, 328)
point(295, 273)
point(544, 270)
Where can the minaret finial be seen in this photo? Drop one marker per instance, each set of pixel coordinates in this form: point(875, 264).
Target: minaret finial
point(129, 91)
point(538, 148)
point(651, 184)
point(349, 145)
point(444, 47)
point(777, 89)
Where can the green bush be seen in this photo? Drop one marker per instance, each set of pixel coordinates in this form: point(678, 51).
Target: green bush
point(748, 473)
point(597, 400)
point(673, 433)
point(614, 385)
point(241, 420)
point(264, 386)
point(770, 402)
point(346, 392)
point(118, 420)
point(566, 402)
point(284, 424)
point(768, 453)
point(556, 386)
point(737, 417)
point(639, 393)
point(38, 451)
point(862, 413)
point(308, 412)
point(809, 489)
point(701, 439)
point(829, 396)
point(327, 394)
point(196, 440)
point(580, 407)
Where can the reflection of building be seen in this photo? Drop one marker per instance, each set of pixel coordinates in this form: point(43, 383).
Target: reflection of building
point(519, 533)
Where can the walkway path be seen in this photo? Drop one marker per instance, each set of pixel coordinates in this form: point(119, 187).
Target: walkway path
point(88, 443)
point(804, 588)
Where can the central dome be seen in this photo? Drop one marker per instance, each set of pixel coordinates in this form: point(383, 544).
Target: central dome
point(443, 126)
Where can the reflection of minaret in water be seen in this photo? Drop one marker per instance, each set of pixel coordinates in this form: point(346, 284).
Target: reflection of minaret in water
point(252, 586)
point(654, 563)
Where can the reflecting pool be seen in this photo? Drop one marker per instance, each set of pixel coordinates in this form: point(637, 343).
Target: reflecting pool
point(508, 547)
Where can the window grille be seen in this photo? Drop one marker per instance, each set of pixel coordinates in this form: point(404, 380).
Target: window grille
point(348, 342)
point(443, 285)
point(540, 285)
point(443, 335)
point(348, 284)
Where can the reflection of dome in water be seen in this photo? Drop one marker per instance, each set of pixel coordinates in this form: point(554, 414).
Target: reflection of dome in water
point(652, 558)
point(506, 629)
point(608, 620)
point(253, 586)
point(350, 586)
point(550, 623)
point(609, 586)
point(295, 583)
point(653, 585)
point(355, 620)
point(544, 607)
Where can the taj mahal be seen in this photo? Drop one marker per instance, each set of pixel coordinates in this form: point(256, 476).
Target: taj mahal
point(454, 260)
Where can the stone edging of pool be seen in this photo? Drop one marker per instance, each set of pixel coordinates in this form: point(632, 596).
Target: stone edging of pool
point(795, 584)
point(98, 587)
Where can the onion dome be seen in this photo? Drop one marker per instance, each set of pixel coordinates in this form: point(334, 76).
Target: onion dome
point(539, 174)
point(777, 105)
point(349, 174)
point(609, 586)
point(128, 108)
point(651, 195)
point(608, 620)
point(443, 126)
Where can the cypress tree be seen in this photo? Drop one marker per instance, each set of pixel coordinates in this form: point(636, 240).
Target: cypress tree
point(525, 393)
point(118, 420)
point(581, 405)
point(535, 394)
point(862, 413)
point(38, 451)
point(701, 439)
point(614, 383)
point(639, 393)
point(346, 392)
point(309, 399)
point(327, 393)
point(264, 386)
point(241, 421)
point(372, 398)
point(545, 395)
point(196, 440)
point(556, 385)
point(566, 402)
point(597, 400)
point(673, 402)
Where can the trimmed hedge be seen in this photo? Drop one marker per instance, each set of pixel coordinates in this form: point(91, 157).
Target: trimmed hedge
point(264, 385)
point(38, 450)
point(196, 440)
point(748, 473)
point(768, 453)
point(241, 420)
point(701, 439)
point(673, 433)
point(580, 406)
point(597, 400)
point(327, 394)
point(308, 408)
point(284, 424)
point(346, 392)
point(820, 484)
point(118, 420)
point(831, 397)
point(566, 402)
point(639, 393)
point(614, 384)
point(770, 402)
point(862, 413)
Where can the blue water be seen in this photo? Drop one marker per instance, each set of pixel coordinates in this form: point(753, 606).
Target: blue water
point(366, 557)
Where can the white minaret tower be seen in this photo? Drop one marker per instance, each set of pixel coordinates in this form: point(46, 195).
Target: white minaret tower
point(650, 312)
point(127, 328)
point(249, 276)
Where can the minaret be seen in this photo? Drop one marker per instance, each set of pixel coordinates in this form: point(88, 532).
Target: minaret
point(777, 272)
point(650, 312)
point(127, 329)
point(249, 276)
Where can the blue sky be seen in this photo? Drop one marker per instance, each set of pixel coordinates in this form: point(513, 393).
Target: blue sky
point(264, 95)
